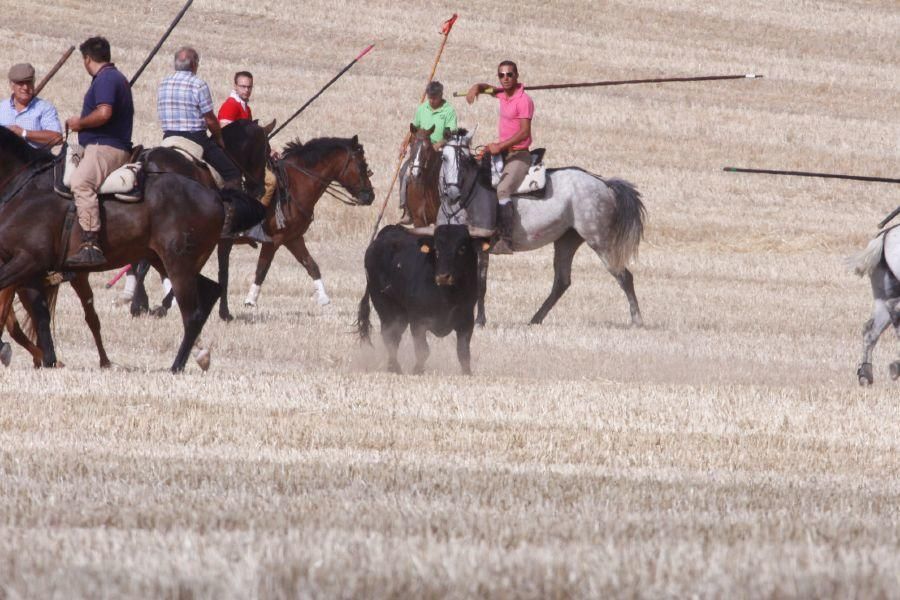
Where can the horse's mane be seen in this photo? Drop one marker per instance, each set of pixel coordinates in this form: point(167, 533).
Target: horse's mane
point(22, 150)
point(314, 150)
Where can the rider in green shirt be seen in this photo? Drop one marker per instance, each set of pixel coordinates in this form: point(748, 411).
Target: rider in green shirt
point(436, 112)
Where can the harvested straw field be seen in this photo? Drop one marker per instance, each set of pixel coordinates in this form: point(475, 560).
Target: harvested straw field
point(725, 449)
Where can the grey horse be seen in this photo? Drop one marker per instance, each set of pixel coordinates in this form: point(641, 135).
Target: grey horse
point(577, 207)
point(881, 262)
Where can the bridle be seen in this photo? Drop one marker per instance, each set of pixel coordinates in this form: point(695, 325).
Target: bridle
point(335, 190)
point(416, 169)
point(464, 198)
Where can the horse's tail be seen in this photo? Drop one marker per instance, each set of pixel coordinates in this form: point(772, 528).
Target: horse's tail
point(363, 322)
point(29, 326)
point(628, 226)
point(863, 263)
point(247, 212)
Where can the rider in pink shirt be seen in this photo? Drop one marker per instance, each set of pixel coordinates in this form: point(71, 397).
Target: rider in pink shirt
point(514, 133)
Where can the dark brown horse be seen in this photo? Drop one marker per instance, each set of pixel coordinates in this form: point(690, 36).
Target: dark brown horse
point(422, 196)
point(308, 171)
point(176, 227)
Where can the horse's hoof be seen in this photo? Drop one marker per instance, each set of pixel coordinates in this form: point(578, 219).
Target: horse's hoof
point(5, 354)
point(105, 364)
point(637, 322)
point(249, 303)
point(203, 357)
point(159, 312)
point(864, 373)
point(60, 365)
point(226, 317)
point(139, 312)
point(395, 369)
point(323, 300)
point(895, 370)
point(481, 321)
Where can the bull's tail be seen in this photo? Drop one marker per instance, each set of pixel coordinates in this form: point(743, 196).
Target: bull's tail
point(245, 211)
point(363, 322)
point(863, 263)
point(628, 227)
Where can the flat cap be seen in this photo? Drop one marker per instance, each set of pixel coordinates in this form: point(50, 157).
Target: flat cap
point(21, 72)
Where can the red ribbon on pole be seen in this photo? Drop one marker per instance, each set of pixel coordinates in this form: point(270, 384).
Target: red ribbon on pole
point(448, 24)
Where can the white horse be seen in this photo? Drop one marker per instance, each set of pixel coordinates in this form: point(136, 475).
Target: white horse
point(576, 207)
point(881, 262)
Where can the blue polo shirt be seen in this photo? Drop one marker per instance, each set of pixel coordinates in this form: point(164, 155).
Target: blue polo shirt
point(110, 87)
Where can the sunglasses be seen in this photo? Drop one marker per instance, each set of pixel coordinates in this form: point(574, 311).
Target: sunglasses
point(502, 75)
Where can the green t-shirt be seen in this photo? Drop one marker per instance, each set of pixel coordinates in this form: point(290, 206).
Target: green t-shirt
point(443, 117)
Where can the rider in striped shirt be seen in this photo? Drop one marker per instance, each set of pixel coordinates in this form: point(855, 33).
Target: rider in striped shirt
point(25, 114)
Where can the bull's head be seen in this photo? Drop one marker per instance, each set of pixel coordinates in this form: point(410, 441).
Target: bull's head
point(454, 255)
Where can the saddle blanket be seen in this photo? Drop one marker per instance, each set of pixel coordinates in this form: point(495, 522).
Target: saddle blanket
point(194, 151)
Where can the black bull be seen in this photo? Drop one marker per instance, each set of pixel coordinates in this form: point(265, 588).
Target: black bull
point(428, 283)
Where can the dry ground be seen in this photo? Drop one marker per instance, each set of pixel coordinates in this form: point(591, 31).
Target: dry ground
point(723, 450)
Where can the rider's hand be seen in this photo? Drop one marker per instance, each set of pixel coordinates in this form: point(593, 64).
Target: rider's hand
point(15, 129)
point(472, 94)
point(493, 148)
point(74, 123)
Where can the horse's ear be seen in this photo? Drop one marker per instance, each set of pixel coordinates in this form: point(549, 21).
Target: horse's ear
point(412, 128)
point(355, 140)
point(268, 128)
point(447, 133)
point(468, 138)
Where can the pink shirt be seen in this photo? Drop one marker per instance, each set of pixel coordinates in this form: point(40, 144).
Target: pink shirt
point(519, 106)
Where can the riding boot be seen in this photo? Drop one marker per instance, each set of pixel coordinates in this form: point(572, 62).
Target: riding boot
point(505, 216)
point(89, 254)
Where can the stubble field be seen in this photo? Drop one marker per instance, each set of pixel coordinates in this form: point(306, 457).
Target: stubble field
point(723, 450)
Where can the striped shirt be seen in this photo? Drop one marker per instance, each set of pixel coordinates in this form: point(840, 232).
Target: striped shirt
point(182, 101)
point(39, 115)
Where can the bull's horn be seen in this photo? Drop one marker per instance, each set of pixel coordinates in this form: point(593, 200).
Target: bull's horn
point(480, 232)
point(428, 230)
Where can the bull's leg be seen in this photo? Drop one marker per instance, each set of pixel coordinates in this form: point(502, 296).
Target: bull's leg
point(463, 352)
point(391, 333)
point(421, 345)
point(224, 253)
point(297, 246)
point(483, 261)
point(82, 287)
point(874, 327)
point(564, 250)
point(266, 254)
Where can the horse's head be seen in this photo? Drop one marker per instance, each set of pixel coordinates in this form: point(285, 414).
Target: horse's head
point(456, 156)
point(248, 143)
point(355, 174)
point(17, 155)
point(421, 151)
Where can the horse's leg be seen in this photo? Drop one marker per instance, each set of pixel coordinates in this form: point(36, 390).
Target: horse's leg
point(298, 248)
point(140, 303)
point(19, 337)
point(874, 327)
point(391, 333)
point(34, 300)
point(421, 345)
point(564, 250)
point(196, 296)
point(266, 254)
point(483, 260)
point(224, 252)
point(895, 317)
point(626, 282)
point(82, 287)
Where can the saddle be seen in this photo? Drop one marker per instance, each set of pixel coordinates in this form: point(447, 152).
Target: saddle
point(194, 152)
point(536, 179)
point(125, 184)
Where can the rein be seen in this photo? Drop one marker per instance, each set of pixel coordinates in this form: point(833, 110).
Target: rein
point(465, 199)
point(329, 186)
point(31, 173)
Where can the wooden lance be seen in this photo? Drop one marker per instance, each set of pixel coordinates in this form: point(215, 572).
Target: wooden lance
point(445, 33)
point(562, 86)
point(62, 60)
point(884, 221)
point(161, 41)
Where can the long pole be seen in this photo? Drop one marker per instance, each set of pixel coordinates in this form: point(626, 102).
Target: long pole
point(445, 32)
point(811, 174)
point(62, 60)
point(319, 93)
point(562, 86)
point(161, 41)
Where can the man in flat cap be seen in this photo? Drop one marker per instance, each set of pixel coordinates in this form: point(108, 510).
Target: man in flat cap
point(25, 114)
